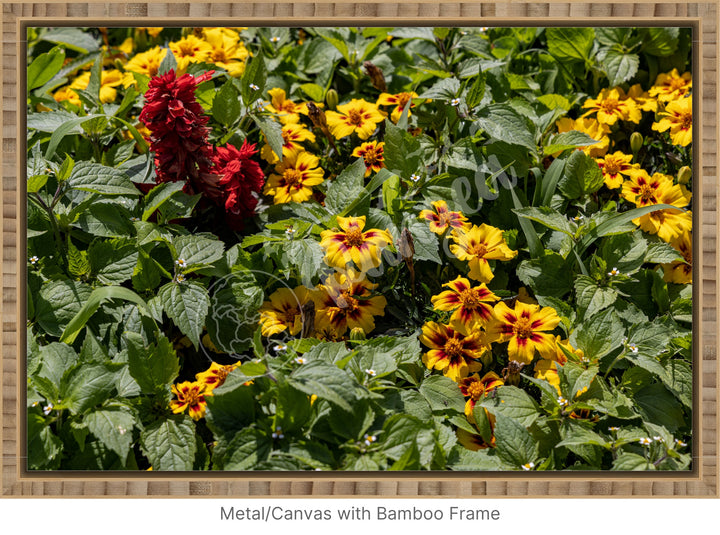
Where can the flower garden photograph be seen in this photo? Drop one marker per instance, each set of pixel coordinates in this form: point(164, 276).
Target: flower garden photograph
point(359, 249)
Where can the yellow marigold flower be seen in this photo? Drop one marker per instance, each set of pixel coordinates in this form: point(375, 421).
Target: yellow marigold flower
point(227, 51)
point(442, 218)
point(293, 134)
point(215, 375)
point(294, 177)
point(680, 272)
point(524, 297)
point(546, 369)
point(642, 98)
point(356, 116)
point(372, 153)
point(67, 94)
point(592, 128)
point(399, 101)
point(474, 442)
point(190, 396)
point(453, 349)
point(678, 118)
point(474, 388)
point(147, 63)
point(611, 105)
point(527, 328)
point(286, 109)
point(345, 302)
point(152, 32)
point(283, 311)
point(351, 244)
point(109, 80)
point(469, 305)
point(614, 166)
point(477, 245)
point(671, 86)
point(189, 50)
point(641, 189)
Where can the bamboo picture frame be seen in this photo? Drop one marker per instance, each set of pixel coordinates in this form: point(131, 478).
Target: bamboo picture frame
point(701, 481)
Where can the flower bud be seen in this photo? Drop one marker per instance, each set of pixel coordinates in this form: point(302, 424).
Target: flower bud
point(486, 359)
point(684, 175)
point(331, 99)
point(511, 374)
point(636, 142)
point(376, 76)
point(357, 333)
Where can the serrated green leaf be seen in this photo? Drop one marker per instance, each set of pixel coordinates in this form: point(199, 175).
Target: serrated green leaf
point(88, 385)
point(96, 178)
point(591, 297)
point(255, 76)
point(631, 462)
point(600, 336)
point(58, 302)
point(514, 444)
point(272, 132)
point(158, 195)
point(546, 275)
point(226, 104)
point(54, 360)
point(187, 304)
point(514, 403)
point(326, 381)
point(442, 394)
point(169, 444)
point(154, 367)
point(113, 427)
point(582, 176)
point(619, 66)
point(568, 140)
point(197, 250)
point(570, 44)
point(348, 185)
point(548, 217)
point(503, 123)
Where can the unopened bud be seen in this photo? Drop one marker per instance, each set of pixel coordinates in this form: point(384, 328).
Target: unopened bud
point(357, 333)
point(376, 76)
point(636, 142)
point(684, 175)
point(317, 116)
point(486, 359)
point(331, 99)
point(406, 245)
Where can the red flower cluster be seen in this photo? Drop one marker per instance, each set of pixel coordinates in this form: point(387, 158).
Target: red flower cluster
point(240, 178)
point(179, 139)
point(177, 126)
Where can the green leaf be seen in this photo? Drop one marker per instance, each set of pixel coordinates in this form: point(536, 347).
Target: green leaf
point(402, 432)
point(96, 178)
point(230, 411)
point(402, 153)
point(307, 256)
point(168, 63)
point(158, 195)
point(43, 446)
point(548, 217)
point(95, 299)
point(326, 381)
point(88, 385)
point(78, 264)
point(661, 42)
point(72, 38)
point(197, 250)
point(313, 91)
point(662, 253)
point(547, 275)
point(153, 367)
point(626, 252)
point(426, 242)
point(226, 104)
point(255, 75)
point(36, 183)
point(234, 312)
point(514, 403)
point(600, 336)
point(93, 87)
point(514, 444)
point(503, 123)
point(568, 140)
point(582, 176)
point(533, 240)
point(54, 360)
point(477, 91)
point(187, 304)
point(548, 187)
point(169, 443)
point(619, 66)
point(591, 297)
point(272, 132)
point(44, 67)
point(113, 261)
point(113, 427)
point(631, 462)
point(366, 193)
point(68, 127)
point(657, 405)
point(348, 185)
point(612, 36)
point(578, 435)
point(58, 303)
point(442, 394)
point(570, 44)
point(247, 448)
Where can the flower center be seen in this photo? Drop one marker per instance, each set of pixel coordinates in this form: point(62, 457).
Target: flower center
point(677, 83)
point(403, 99)
point(371, 155)
point(288, 105)
point(609, 105)
point(523, 328)
point(354, 117)
point(187, 49)
point(470, 299)
point(293, 178)
point(193, 396)
point(354, 237)
point(476, 390)
point(453, 348)
point(289, 315)
point(478, 249)
point(647, 192)
point(686, 121)
point(346, 301)
point(612, 166)
point(218, 55)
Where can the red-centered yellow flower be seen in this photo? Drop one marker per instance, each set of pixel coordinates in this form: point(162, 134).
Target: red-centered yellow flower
point(399, 101)
point(527, 328)
point(109, 80)
point(474, 388)
point(474, 442)
point(611, 105)
point(346, 302)
point(189, 50)
point(283, 311)
point(147, 63)
point(592, 128)
point(642, 189)
point(228, 51)
point(470, 305)
point(642, 98)
point(214, 376)
point(477, 245)
point(372, 153)
point(286, 109)
point(677, 117)
point(671, 86)
point(442, 218)
point(293, 134)
point(351, 244)
point(190, 396)
point(680, 272)
point(357, 116)
point(453, 350)
point(294, 178)
point(614, 166)
point(546, 370)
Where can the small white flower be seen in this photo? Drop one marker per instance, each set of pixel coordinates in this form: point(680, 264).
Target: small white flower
point(528, 466)
point(414, 177)
point(280, 347)
point(37, 403)
point(254, 87)
point(455, 102)
point(614, 271)
point(645, 441)
point(181, 262)
point(613, 429)
point(133, 219)
point(680, 443)
point(484, 28)
point(290, 232)
point(180, 278)
point(260, 104)
point(370, 372)
point(463, 32)
point(274, 39)
point(369, 439)
point(122, 430)
point(633, 347)
point(300, 360)
point(562, 401)
point(578, 218)
point(318, 469)
point(657, 439)
point(47, 409)
point(34, 260)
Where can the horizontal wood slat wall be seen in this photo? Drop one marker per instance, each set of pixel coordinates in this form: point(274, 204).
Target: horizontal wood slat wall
point(702, 482)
